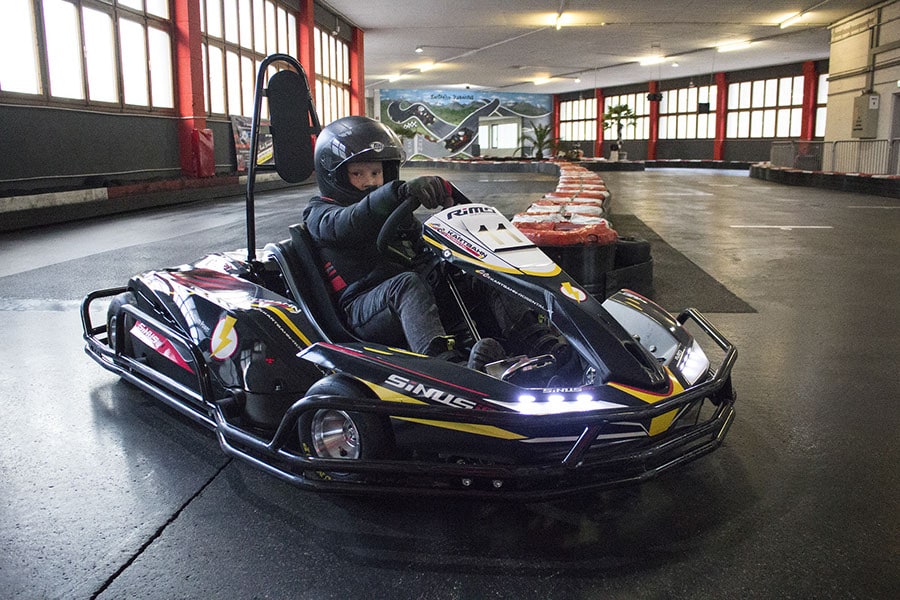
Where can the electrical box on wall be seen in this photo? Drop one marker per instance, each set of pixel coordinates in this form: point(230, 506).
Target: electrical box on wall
point(865, 116)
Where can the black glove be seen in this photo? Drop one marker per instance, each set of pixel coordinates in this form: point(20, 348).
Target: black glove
point(430, 191)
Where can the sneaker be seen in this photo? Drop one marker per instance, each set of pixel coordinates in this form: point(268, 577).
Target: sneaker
point(485, 351)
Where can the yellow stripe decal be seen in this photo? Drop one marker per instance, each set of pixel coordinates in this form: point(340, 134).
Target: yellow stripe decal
point(378, 351)
point(486, 430)
point(289, 323)
point(387, 395)
point(662, 422)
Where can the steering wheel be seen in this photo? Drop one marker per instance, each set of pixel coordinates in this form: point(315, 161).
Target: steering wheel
point(400, 215)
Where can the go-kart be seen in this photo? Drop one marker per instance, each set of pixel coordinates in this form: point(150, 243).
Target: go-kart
point(250, 344)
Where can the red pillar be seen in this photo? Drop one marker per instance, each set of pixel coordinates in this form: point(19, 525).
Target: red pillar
point(721, 116)
point(306, 45)
point(357, 69)
point(554, 117)
point(810, 91)
point(598, 145)
point(654, 122)
point(194, 139)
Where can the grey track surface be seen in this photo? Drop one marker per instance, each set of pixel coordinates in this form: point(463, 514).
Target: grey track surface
point(108, 494)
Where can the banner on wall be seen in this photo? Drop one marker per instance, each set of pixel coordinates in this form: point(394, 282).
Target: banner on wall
point(445, 123)
point(240, 127)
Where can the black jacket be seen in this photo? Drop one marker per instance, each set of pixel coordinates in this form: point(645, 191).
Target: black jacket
point(346, 237)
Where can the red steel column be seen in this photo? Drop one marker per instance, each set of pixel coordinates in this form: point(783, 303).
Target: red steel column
point(554, 117)
point(357, 69)
point(654, 122)
point(306, 46)
point(810, 91)
point(721, 116)
point(598, 145)
point(194, 139)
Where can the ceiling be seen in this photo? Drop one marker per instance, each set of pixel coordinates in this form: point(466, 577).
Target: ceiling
point(506, 45)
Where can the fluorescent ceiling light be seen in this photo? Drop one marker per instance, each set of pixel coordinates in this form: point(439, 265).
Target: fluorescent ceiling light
point(791, 20)
point(734, 46)
point(652, 60)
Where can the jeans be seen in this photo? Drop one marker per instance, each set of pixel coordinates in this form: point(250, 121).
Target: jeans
point(399, 310)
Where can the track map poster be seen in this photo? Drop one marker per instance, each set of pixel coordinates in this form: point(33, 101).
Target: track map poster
point(445, 122)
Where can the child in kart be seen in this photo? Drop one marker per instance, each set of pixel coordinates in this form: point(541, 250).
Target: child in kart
point(357, 163)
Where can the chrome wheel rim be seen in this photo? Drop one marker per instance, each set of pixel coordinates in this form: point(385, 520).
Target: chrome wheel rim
point(334, 435)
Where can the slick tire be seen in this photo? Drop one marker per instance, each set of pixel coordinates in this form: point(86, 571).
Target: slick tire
point(115, 304)
point(631, 251)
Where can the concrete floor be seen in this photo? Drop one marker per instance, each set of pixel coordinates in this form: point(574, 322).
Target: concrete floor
point(106, 493)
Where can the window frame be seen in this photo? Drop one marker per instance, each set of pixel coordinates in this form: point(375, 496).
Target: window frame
point(679, 113)
point(578, 117)
point(331, 63)
point(224, 25)
point(117, 11)
point(640, 106)
point(765, 109)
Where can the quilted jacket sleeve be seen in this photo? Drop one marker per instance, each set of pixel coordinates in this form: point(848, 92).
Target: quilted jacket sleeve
point(356, 224)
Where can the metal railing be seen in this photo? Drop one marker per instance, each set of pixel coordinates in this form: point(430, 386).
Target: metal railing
point(873, 157)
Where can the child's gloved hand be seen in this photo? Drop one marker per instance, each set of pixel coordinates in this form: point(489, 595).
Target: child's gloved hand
point(431, 191)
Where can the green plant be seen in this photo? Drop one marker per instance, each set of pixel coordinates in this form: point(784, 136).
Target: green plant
point(618, 116)
point(541, 138)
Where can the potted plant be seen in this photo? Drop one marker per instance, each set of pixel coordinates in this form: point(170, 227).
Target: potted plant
point(619, 116)
point(541, 139)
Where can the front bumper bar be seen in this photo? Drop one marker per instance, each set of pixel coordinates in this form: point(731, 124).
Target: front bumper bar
point(582, 468)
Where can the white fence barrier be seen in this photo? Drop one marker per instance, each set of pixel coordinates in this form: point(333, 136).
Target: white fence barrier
point(874, 157)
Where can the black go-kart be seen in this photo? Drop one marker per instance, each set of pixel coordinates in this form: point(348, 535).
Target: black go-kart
point(249, 344)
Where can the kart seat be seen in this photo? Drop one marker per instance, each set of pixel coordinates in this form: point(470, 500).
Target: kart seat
point(308, 285)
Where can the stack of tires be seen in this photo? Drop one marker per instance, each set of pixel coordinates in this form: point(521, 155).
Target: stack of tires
point(570, 225)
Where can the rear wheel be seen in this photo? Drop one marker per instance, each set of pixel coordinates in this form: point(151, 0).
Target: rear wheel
point(111, 321)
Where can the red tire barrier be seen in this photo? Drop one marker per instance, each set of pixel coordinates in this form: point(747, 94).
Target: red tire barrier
point(571, 234)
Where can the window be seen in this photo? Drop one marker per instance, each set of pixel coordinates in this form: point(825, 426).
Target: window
point(765, 108)
point(19, 67)
point(821, 102)
point(639, 105)
point(237, 36)
point(114, 52)
point(578, 120)
point(332, 60)
point(688, 113)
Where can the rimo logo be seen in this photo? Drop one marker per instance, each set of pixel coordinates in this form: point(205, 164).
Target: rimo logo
point(472, 210)
point(423, 391)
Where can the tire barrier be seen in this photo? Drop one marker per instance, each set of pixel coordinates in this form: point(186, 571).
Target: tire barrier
point(570, 226)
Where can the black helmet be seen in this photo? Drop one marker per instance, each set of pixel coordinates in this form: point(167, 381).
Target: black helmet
point(354, 139)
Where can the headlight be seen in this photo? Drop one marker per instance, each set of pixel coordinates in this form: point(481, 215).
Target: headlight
point(558, 402)
point(693, 363)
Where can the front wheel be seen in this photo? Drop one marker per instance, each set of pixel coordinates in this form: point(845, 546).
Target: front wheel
point(334, 434)
point(340, 434)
